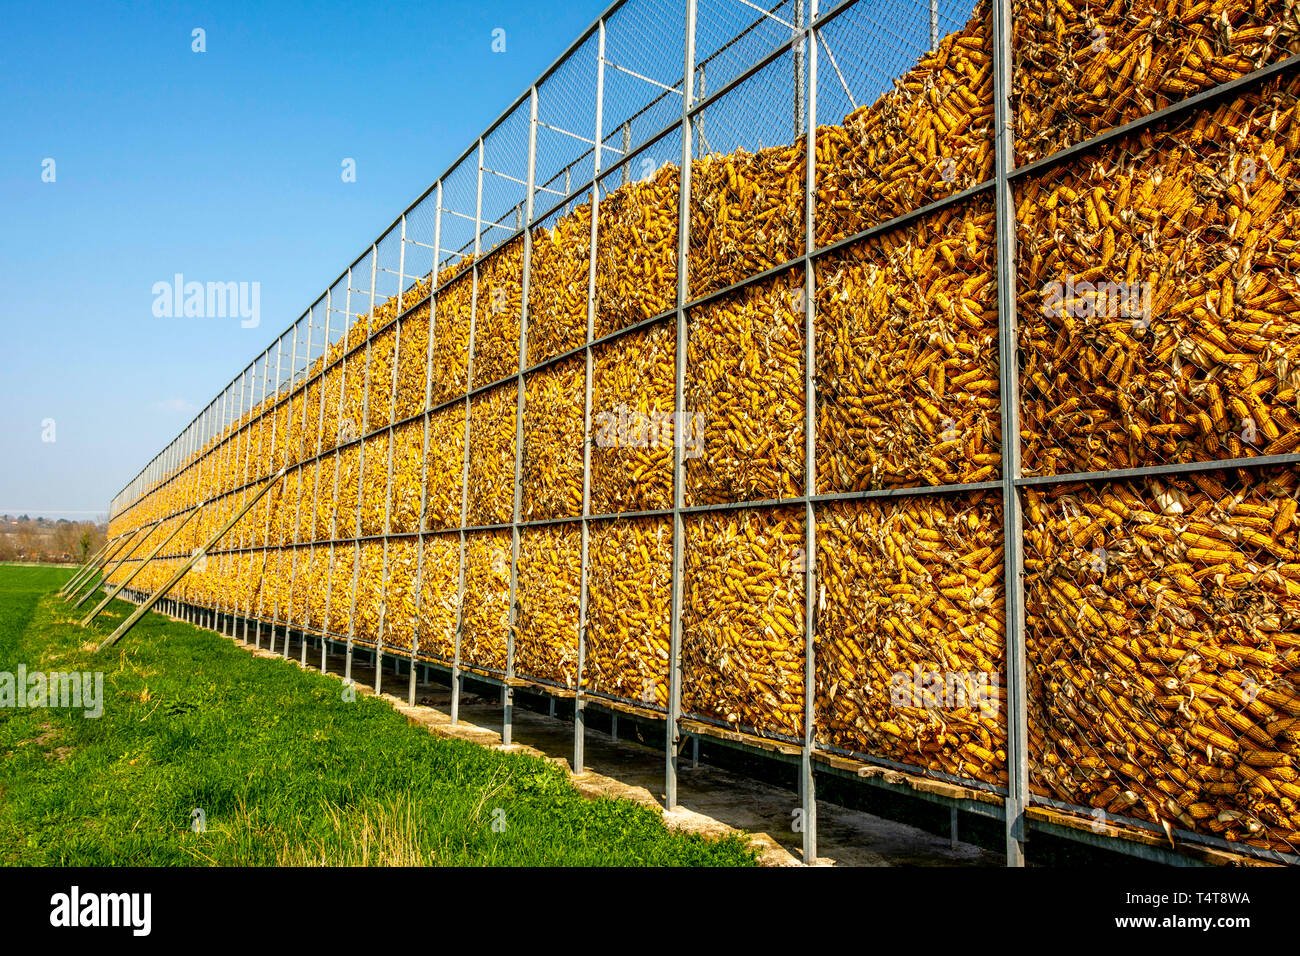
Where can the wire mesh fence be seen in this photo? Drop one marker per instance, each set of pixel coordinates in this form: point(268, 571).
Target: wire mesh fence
point(718, 401)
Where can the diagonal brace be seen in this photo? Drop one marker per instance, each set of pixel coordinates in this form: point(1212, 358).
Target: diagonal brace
point(184, 569)
point(141, 566)
point(135, 541)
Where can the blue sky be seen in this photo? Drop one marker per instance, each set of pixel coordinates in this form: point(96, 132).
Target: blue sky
point(224, 166)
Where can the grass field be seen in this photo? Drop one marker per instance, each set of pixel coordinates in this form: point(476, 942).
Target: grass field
point(284, 769)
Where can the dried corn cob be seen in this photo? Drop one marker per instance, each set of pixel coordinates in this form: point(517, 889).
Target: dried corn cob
point(747, 214)
point(439, 582)
point(743, 431)
point(632, 422)
point(628, 603)
point(486, 617)
point(444, 468)
point(910, 624)
point(1079, 71)
point(558, 282)
point(636, 242)
point(1159, 628)
point(549, 582)
point(743, 621)
point(553, 460)
point(907, 363)
point(492, 462)
point(1175, 345)
point(496, 322)
point(929, 137)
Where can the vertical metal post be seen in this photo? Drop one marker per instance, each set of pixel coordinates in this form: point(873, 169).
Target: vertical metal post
point(266, 537)
point(798, 65)
point(934, 33)
point(392, 440)
point(699, 117)
point(291, 551)
point(1009, 390)
point(245, 534)
point(526, 285)
point(507, 692)
point(627, 148)
point(457, 679)
point(334, 510)
point(361, 454)
point(424, 457)
point(579, 702)
point(807, 780)
point(673, 728)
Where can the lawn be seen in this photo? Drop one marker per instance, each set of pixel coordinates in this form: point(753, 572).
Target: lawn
point(275, 762)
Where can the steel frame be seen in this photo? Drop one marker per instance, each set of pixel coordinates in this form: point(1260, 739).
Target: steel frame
point(175, 465)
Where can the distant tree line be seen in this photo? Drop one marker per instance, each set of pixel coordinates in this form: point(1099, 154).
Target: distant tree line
point(23, 538)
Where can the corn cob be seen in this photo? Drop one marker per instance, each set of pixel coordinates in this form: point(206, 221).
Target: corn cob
point(743, 622)
point(743, 426)
point(632, 426)
point(628, 603)
point(549, 583)
point(552, 461)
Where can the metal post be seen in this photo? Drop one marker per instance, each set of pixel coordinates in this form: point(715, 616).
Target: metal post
point(424, 458)
point(291, 551)
point(334, 511)
point(457, 679)
point(1009, 389)
point(388, 485)
point(526, 285)
point(579, 702)
point(361, 457)
point(798, 65)
point(627, 148)
point(807, 780)
point(673, 727)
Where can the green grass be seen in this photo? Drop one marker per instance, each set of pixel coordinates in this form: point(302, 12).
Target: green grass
point(285, 770)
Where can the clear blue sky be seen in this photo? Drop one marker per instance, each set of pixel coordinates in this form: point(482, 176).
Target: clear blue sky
point(223, 165)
